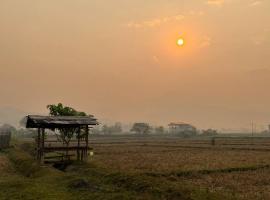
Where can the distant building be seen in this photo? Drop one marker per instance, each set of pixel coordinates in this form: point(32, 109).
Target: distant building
point(181, 128)
point(269, 128)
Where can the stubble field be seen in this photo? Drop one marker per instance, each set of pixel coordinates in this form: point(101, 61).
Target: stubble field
point(236, 166)
point(150, 167)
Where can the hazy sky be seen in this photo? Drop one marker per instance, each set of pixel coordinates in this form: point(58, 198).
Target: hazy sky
point(118, 59)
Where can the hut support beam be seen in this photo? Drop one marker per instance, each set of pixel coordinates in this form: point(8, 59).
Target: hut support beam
point(79, 140)
point(86, 141)
point(38, 145)
point(42, 145)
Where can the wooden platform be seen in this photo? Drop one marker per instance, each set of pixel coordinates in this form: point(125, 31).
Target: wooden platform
point(63, 148)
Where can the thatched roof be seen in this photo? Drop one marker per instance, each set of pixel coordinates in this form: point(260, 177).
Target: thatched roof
point(36, 121)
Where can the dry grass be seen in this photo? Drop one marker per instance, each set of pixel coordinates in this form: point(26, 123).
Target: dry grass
point(5, 166)
point(3, 163)
point(160, 159)
point(246, 184)
point(240, 169)
point(149, 168)
point(87, 181)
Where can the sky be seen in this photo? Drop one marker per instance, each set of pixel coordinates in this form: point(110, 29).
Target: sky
point(118, 59)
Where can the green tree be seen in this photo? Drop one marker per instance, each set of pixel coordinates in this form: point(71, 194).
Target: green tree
point(65, 134)
point(141, 128)
point(60, 110)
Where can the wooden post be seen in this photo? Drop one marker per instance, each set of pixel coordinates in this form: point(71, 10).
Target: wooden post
point(38, 145)
point(79, 139)
point(82, 153)
point(86, 141)
point(42, 145)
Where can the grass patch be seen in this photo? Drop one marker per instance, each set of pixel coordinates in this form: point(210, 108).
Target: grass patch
point(140, 186)
point(23, 163)
point(30, 181)
point(207, 171)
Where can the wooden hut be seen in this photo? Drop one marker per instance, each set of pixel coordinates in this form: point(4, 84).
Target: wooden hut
point(78, 124)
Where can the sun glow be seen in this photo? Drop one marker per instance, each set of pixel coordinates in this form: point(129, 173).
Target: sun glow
point(180, 42)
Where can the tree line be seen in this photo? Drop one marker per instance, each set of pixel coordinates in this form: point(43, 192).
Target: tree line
point(65, 135)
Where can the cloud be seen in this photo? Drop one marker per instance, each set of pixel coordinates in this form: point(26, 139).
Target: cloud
point(215, 2)
point(220, 3)
point(255, 3)
point(155, 22)
point(160, 21)
point(205, 42)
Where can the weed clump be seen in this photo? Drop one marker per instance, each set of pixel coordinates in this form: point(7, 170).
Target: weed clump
point(79, 184)
point(24, 163)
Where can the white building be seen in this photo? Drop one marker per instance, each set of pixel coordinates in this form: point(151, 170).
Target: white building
point(180, 127)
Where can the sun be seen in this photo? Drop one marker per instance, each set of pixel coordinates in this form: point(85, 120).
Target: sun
point(180, 42)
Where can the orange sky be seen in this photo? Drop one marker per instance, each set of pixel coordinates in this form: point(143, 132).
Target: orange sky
point(119, 60)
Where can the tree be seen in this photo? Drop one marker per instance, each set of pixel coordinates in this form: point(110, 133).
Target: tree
point(159, 130)
point(109, 130)
point(60, 110)
point(23, 121)
point(141, 128)
point(65, 134)
point(106, 130)
point(8, 127)
point(209, 132)
point(96, 131)
point(117, 127)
